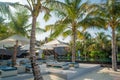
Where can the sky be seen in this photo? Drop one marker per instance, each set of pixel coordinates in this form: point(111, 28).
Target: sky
point(41, 36)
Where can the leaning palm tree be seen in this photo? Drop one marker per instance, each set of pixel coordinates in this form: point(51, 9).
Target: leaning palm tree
point(107, 15)
point(35, 7)
point(70, 13)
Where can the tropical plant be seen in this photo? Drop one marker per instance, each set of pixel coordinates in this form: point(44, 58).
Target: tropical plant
point(5, 9)
point(107, 15)
point(18, 25)
point(102, 41)
point(70, 13)
point(35, 7)
point(19, 22)
point(101, 46)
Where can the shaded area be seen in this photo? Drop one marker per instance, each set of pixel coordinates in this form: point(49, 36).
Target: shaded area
point(7, 53)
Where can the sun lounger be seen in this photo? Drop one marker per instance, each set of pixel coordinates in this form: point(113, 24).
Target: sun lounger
point(61, 65)
point(7, 71)
point(56, 64)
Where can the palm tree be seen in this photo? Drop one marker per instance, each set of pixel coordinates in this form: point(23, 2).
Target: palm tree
point(35, 7)
point(5, 9)
point(87, 40)
point(107, 15)
point(70, 13)
point(102, 45)
point(102, 40)
point(18, 25)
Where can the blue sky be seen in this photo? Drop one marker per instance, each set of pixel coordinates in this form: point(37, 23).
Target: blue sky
point(52, 20)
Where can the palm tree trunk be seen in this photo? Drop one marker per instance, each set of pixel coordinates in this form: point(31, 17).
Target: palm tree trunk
point(114, 59)
point(14, 54)
point(73, 42)
point(35, 67)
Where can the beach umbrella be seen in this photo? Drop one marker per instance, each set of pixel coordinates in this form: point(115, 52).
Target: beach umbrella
point(14, 40)
point(11, 41)
point(52, 44)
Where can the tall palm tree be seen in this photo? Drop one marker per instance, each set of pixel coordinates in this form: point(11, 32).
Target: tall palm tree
point(18, 25)
point(35, 7)
point(70, 13)
point(6, 11)
point(107, 15)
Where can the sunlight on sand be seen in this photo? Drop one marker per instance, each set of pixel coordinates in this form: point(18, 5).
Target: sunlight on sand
point(109, 70)
point(95, 75)
point(101, 74)
point(53, 77)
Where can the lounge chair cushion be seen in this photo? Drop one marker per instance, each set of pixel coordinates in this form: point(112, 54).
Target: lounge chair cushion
point(7, 68)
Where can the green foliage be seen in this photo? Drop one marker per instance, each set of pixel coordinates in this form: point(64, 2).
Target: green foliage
point(68, 56)
point(43, 56)
point(4, 30)
point(93, 53)
point(46, 17)
point(5, 9)
point(19, 22)
point(118, 57)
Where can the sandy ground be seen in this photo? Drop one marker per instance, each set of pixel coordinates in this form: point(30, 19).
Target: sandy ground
point(99, 74)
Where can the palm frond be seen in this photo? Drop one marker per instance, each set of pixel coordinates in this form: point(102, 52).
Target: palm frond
point(58, 29)
point(47, 13)
point(49, 27)
point(40, 30)
point(92, 22)
point(19, 22)
point(5, 8)
point(66, 33)
point(79, 35)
